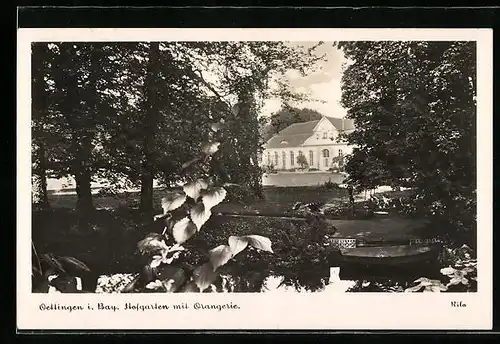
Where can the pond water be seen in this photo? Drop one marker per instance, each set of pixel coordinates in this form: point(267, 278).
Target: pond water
point(274, 284)
point(352, 281)
point(336, 280)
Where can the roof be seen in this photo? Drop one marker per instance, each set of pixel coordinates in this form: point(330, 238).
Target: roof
point(337, 123)
point(296, 134)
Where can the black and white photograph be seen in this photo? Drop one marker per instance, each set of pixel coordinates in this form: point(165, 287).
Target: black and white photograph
point(273, 167)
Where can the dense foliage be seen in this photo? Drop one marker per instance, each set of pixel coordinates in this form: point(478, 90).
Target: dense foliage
point(414, 105)
point(285, 117)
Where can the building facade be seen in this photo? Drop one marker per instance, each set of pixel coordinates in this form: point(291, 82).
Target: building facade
point(313, 145)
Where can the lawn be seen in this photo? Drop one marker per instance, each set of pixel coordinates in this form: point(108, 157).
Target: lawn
point(288, 179)
point(277, 199)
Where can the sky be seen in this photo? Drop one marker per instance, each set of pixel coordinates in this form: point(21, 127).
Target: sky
point(323, 84)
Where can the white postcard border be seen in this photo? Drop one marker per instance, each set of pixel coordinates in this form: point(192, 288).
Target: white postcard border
point(397, 311)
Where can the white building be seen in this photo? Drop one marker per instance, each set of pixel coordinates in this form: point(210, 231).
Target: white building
point(317, 140)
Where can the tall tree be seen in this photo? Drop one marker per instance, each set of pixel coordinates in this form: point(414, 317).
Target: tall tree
point(162, 117)
point(245, 74)
point(40, 112)
point(150, 127)
point(414, 106)
point(80, 74)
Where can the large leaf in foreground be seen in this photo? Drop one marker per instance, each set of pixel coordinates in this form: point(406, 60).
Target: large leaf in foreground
point(173, 201)
point(183, 230)
point(237, 244)
point(213, 196)
point(220, 256)
point(200, 215)
point(260, 242)
point(192, 189)
point(204, 276)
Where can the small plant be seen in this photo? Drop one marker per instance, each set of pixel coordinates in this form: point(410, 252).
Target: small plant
point(50, 273)
point(459, 276)
point(269, 169)
point(427, 285)
point(329, 185)
point(302, 161)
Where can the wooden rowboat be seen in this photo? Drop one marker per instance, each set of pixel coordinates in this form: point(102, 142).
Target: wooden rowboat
point(389, 255)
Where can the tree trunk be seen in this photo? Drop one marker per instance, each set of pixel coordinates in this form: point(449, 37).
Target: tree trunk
point(245, 168)
point(39, 109)
point(146, 205)
point(40, 198)
point(150, 124)
point(84, 203)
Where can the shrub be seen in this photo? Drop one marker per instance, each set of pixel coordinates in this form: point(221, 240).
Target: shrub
point(239, 194)
point(51, 273)
point(269, 169)
point(329, 185)
point(302, 161)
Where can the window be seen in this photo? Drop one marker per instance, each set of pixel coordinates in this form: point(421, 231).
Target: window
point(292, 162)
point(340, 152)
point(311, 158)
point(275, 158)
point(268, 158)
point(300, 153)
point(325, 135)
point(326, 155)
point(283, 159)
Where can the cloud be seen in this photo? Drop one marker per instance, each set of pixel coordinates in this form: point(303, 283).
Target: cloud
point(322, 85)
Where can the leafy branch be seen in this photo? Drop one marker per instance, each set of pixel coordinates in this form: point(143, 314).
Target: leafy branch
point(185, 214)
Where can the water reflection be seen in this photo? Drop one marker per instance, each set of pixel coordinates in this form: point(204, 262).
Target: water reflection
point(282, 284)
point(338, 281)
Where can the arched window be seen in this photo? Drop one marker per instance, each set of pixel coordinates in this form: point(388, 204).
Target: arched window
point(283, 159)
point(311, 158)
point(275, 158)
point(292, 160)
point(326, 155)
point(300, 153)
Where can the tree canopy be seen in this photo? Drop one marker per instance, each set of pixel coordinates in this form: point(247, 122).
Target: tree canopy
point(136, 111)
point(414, 107)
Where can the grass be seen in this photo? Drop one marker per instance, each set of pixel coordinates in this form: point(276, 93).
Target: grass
point(277, 199)
point(311, 179)
point(117, 219)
